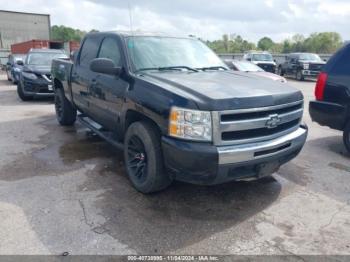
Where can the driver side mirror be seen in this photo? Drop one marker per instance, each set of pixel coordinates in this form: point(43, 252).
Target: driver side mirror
point(104, 66)
point(20, 62)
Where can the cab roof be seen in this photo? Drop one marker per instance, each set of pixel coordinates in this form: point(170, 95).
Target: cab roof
point(140, 33)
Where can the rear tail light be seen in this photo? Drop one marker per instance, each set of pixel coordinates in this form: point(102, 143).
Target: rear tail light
point(320, 85)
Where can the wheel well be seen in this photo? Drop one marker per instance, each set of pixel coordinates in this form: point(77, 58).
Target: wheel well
point(134, 116)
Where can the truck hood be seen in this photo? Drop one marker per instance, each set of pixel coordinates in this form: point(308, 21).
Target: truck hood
point(225, 90)
point(313, 62)
point(39, 69)
point(264, 62)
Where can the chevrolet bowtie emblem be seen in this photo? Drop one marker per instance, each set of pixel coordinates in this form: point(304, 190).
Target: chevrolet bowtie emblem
point(273, 121)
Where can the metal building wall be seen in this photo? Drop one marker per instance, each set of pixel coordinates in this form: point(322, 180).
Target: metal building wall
point(18, 27)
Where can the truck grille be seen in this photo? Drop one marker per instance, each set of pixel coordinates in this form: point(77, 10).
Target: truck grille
point(254, 125)
point(267, 67)
point(316, 67)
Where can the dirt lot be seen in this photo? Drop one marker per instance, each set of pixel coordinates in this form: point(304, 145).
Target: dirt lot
point(63, 189)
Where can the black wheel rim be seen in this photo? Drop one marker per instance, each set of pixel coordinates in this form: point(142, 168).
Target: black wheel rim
point(58, 106)
point(137, 159)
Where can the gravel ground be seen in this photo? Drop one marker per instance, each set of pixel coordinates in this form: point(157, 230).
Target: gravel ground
point(64, 189)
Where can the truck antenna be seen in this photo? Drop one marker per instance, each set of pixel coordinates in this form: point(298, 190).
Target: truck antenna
point(130, 17)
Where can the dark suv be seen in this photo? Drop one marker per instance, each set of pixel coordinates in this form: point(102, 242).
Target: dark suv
point(14, 67)
point(301, 66)
point(332, 92)
point(35, 77)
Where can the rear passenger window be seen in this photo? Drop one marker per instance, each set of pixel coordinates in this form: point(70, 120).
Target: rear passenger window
point(110, 49)
point(89, 51)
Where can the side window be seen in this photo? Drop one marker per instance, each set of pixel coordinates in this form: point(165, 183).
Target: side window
point(342, 65)
point(110, 49)
point(89, 51)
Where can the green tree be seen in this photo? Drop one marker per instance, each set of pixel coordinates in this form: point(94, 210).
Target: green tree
point(266, 44)
point(63, 33)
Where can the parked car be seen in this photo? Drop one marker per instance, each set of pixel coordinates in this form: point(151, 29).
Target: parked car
point(301, 66)
point(261, 59)
point(332, 92)
point(177, 111)
point(246, 66)
point(14, 67)
point(35, 77)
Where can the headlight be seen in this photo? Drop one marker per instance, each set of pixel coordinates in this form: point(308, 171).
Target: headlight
point(306, 66)
point(29, 75)
point(16, 69)
point(190, 124)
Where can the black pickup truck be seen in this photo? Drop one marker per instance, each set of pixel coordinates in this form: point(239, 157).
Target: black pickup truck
point(332, 105)
point(301, 66)
point(177, 111)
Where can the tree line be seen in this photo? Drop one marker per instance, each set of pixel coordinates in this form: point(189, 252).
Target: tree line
point(64, 33)
point(324, 42)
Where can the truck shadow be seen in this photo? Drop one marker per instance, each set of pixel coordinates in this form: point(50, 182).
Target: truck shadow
point(177, 217)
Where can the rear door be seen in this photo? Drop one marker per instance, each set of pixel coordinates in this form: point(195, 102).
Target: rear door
point(108, 91)
point(81, 75)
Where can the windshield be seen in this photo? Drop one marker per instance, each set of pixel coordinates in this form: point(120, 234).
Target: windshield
point(43, 58)
point(247, 66)
point(157, 52)
point(262, 57)
point(310, 57)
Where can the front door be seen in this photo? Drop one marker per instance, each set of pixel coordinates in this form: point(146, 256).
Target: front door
point(108, 91)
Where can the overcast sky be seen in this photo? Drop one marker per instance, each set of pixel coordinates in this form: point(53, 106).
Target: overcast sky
point(208, 19)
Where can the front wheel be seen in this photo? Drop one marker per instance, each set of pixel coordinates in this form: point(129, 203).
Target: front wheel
point(66, 114)
point(346, 137)
point(144, 159)
point(280, 71)
point(299, 76)
point(21, 93)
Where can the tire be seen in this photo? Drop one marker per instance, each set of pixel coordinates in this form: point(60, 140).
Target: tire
point(21, 94)
point(144, 159)
point(346, 137)
point(8, 78)
point(299, 76)
point(280, 71)
point(66, 114)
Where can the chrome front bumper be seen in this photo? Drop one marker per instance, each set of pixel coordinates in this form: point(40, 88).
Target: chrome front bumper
point(254, 151)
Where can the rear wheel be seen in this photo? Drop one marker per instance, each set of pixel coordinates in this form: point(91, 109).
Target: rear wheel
point(8, 77)
point(143, 158)
point(299, 76)
point(21, 93)
point(346, 137)
point(66, 114)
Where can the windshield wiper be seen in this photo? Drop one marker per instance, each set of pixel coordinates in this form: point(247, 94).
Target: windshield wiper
point(212, 68)
point(168, 68)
